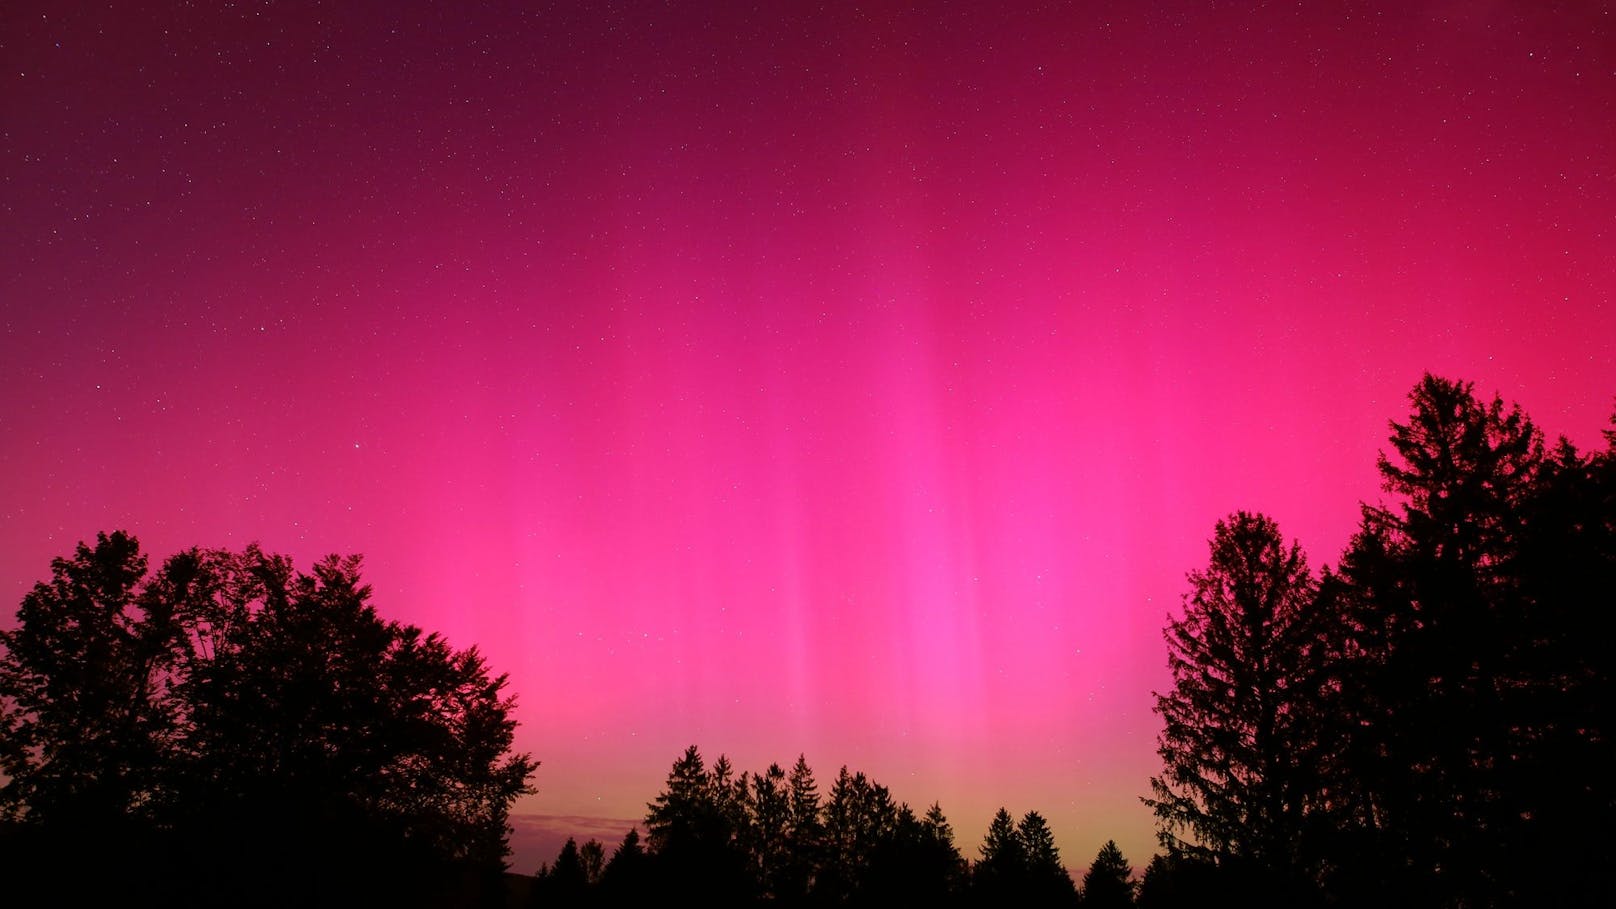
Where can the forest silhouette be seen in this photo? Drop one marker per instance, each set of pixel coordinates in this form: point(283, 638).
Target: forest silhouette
point(1424, 724)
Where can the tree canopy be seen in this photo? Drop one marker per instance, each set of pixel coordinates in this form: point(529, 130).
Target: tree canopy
point(232, 709)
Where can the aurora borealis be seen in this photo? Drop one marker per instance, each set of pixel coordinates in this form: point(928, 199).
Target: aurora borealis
point(855, 381)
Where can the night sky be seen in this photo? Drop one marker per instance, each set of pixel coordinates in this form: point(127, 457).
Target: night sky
point(851, 381)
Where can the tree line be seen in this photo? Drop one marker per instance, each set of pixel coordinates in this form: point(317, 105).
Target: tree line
point(718, 837)
point(1425, 724)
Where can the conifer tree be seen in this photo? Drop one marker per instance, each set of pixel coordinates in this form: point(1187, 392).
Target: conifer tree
point(768, 845)
point(1046, 882)
point(805, 834)
point(1242, 747)
point(626, 879)
point(1465, 638)
point(694, 832)
point(999, 874)
point(1107, 884)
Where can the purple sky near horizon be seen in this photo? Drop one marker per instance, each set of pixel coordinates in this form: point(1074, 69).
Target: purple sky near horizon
point(859, 383)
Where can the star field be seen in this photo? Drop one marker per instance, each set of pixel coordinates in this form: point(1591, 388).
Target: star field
point(858, 382)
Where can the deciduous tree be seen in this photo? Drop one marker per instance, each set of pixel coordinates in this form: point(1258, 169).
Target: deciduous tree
point(229, 704)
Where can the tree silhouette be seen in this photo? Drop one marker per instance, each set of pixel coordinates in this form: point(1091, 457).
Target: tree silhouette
point(805, 834)
point(730, 795)
point(916, 864)
point(940, 859)
point(1177, 880)
point(1046, 881)
point(728, 838)
point(592, 858)
point(1106, 884)
point(1020, 865)
point(1241, 751)
point(1479, 740)
point(86, 735)
point(859, 820)
point(767, 843)
point(1430, 723)
point(684, 808)
point(230, 703)
point(1568, 554)
point(998, 876)
point(693, 832)
point(565, 883)
point(626, 880)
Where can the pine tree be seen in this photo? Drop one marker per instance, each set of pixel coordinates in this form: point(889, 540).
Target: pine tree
point(805, 834)
point(1177, 881)
point(999, 875)
point(943, 860)
point(627, 877)
point(694, 833)
point(860, 818)
point(1466, 635)
point(683, 813)
point(563, 884)
point(1106, 885)
point(1242, 748)
point(917, 864)
point(592, 858)
point(1561, 775)
point(768, 845)
point(1046, 881)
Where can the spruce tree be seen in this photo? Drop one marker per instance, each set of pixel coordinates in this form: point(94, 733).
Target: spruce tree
point(1046, 882)
point(1244, 762)
point(1107, 884)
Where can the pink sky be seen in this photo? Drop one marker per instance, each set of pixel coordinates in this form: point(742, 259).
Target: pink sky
point(855, 384)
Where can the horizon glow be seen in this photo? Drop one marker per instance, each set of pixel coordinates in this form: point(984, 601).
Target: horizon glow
point(859, 384)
